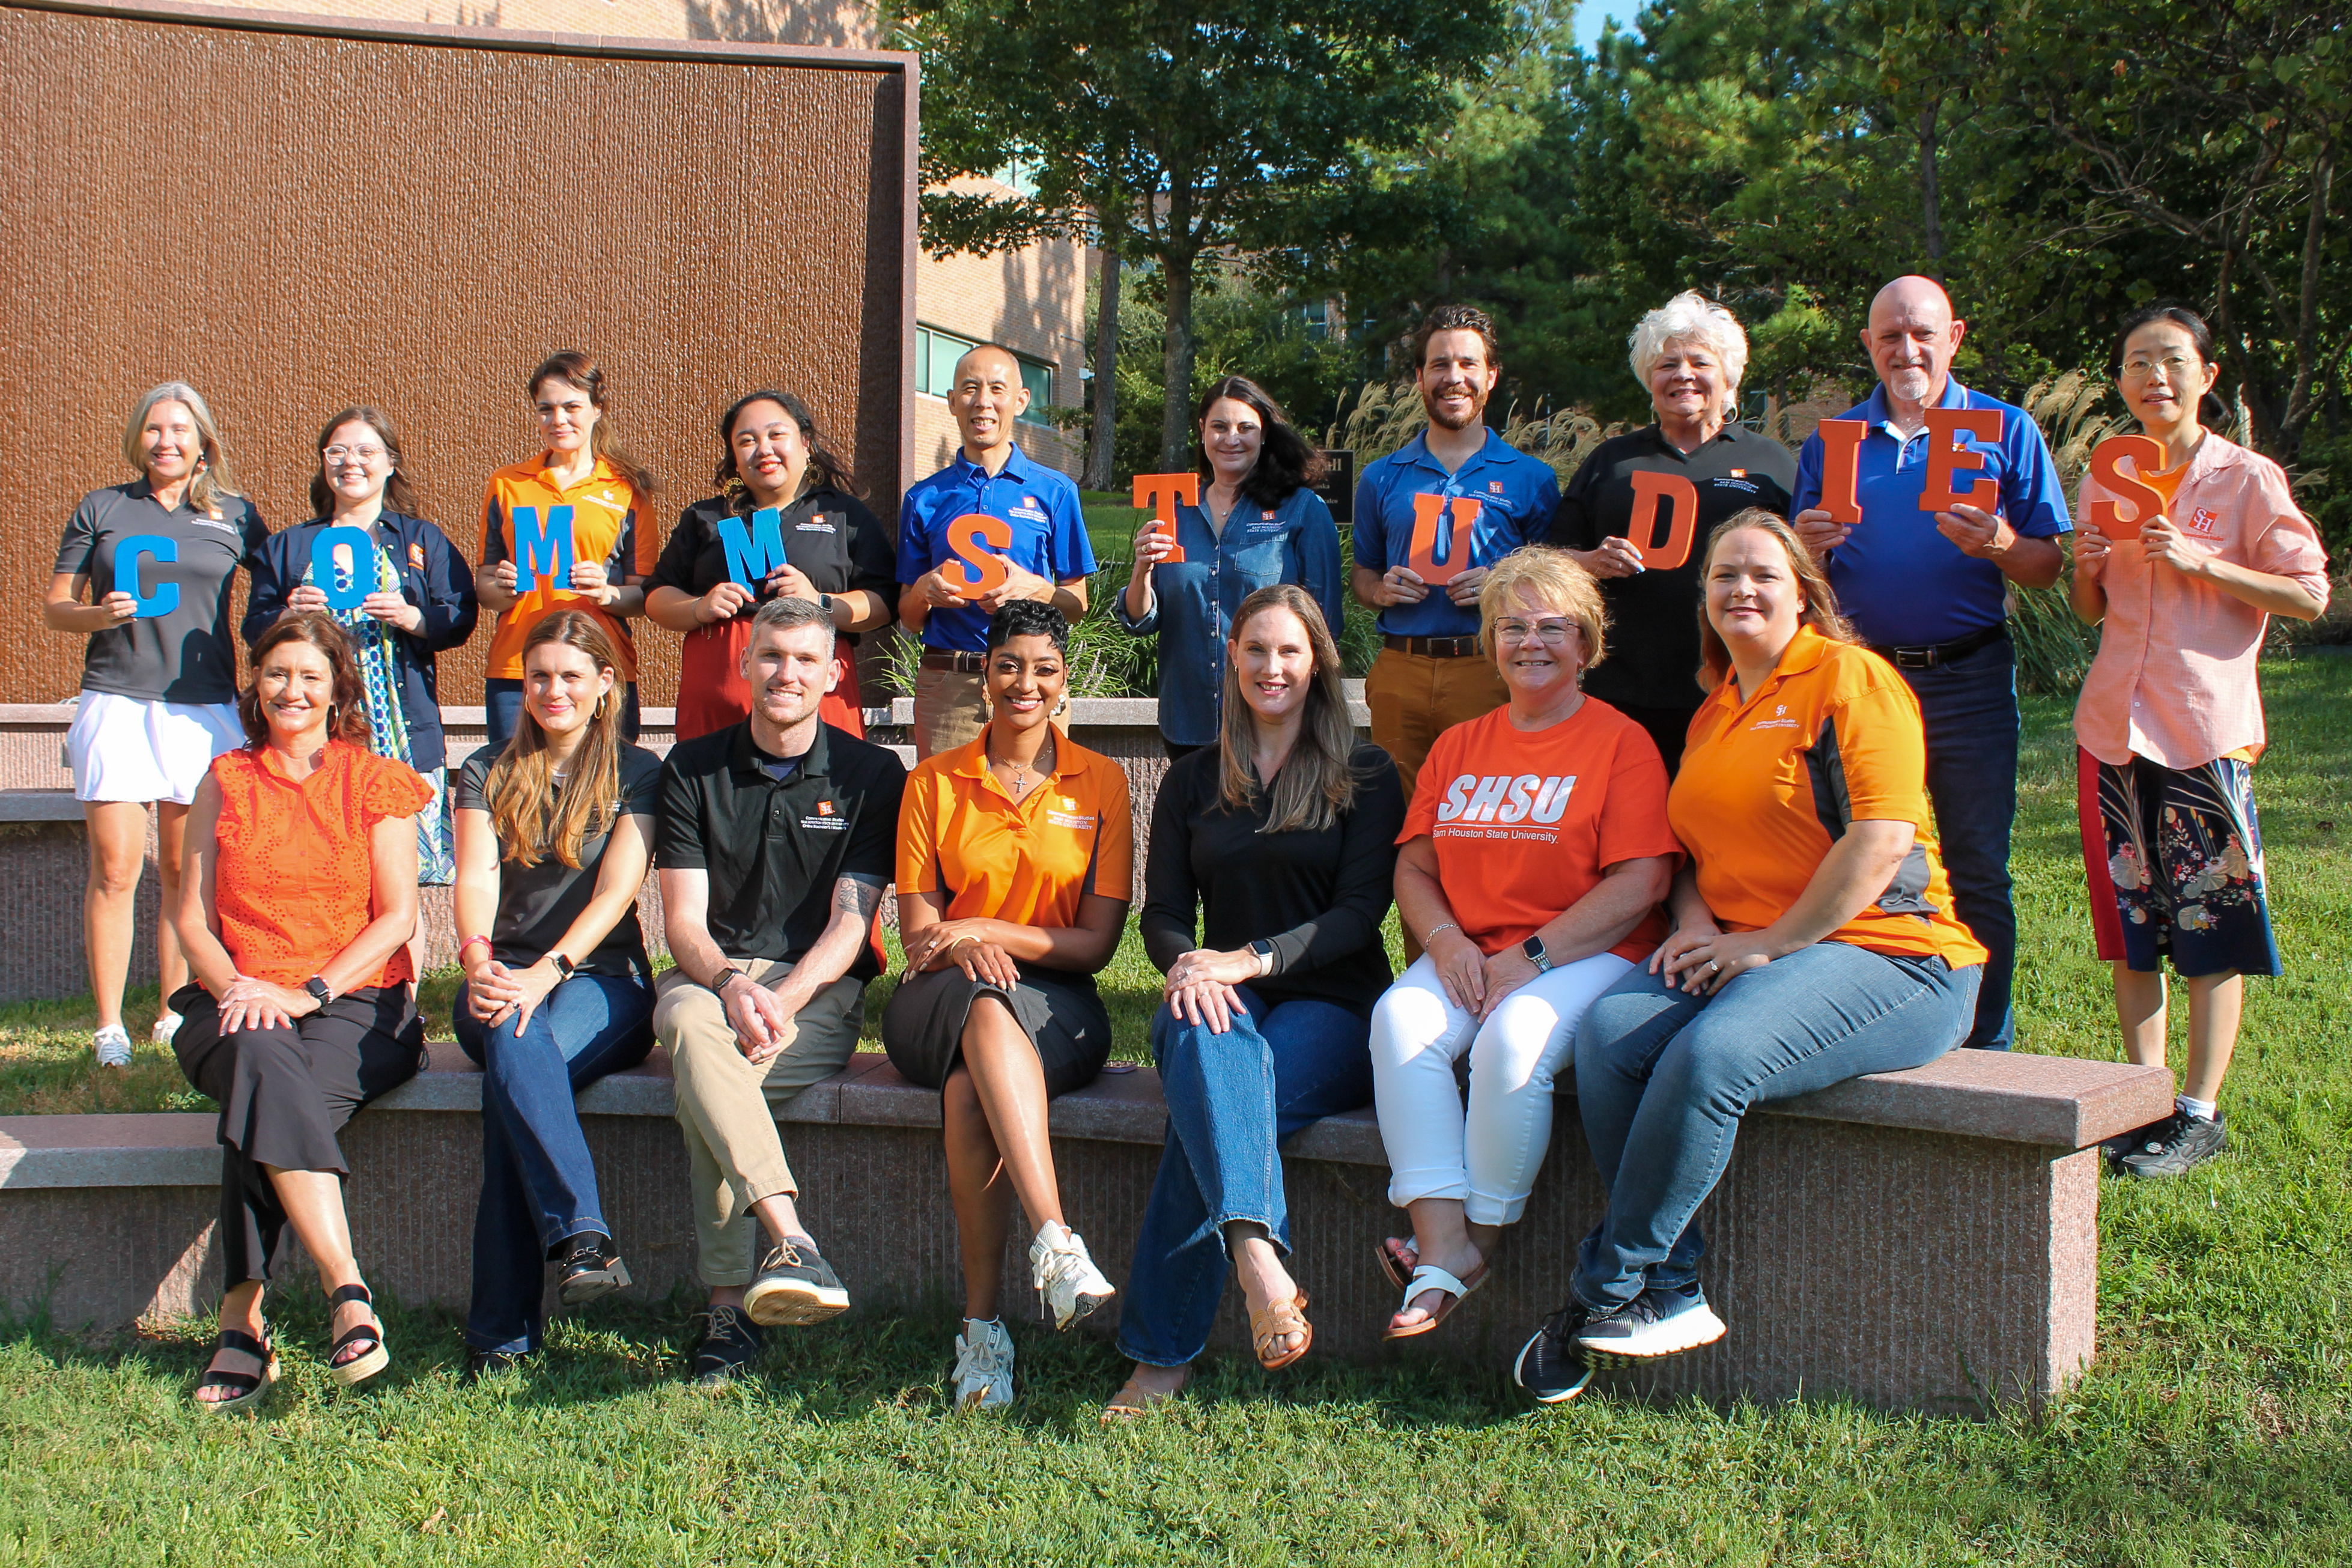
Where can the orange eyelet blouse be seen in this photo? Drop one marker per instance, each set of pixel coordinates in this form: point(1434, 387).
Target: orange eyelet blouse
point(295, 883)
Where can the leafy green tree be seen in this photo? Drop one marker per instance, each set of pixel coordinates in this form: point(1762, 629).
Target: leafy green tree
point(1202, 125)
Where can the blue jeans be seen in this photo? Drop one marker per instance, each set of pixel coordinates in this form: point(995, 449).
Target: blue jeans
point(502, 710)
point(1232, 1099)
point(1970, 710)
point(1663, 1078)
point(539, 1184)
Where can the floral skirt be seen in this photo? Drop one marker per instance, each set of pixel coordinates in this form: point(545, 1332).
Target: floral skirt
point(2174, 858)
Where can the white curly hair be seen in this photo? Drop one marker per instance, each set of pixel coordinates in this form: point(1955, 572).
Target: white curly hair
point(1690, 317)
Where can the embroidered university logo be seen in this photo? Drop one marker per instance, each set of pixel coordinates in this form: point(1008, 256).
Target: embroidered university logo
point(1493, 486)
point(824, 808)
point(2205, 521)
point(416, 555)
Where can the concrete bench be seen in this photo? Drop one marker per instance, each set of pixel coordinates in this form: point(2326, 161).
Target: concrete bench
point(1918, 1240)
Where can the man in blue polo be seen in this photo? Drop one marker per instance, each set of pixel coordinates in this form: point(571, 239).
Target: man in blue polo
point(1048, 556)
point(1431, 517)
point(1928, 592)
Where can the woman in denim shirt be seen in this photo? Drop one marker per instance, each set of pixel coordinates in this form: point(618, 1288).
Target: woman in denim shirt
point(1257, 525)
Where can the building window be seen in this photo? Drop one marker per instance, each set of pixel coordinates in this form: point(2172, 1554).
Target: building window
point(936, 353)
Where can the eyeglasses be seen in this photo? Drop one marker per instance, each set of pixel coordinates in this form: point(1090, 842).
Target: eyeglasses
point(2173, 366)
point(356, 453)
point(1552, 634)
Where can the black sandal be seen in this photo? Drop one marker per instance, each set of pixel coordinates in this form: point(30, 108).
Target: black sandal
point(248, 1388)
point(372, 1360)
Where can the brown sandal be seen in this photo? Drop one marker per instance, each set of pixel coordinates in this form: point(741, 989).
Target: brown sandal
point(1133, 1401)
point(1278, 1320)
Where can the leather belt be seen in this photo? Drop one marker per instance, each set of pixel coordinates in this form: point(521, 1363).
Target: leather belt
point(1933, 654)
point(1434, 647)
point(962, 663)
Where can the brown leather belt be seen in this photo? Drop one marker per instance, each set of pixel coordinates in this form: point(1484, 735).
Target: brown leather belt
point(950, 658)
point(1436, 648)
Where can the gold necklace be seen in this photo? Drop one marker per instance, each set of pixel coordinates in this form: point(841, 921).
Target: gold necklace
point(1019, 785)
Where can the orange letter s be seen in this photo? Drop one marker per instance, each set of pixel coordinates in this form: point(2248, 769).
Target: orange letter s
point(971, 537)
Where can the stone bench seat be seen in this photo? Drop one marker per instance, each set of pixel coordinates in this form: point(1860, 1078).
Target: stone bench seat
point(1924, 1239)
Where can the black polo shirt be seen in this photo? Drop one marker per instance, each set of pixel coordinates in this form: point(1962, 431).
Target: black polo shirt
point(834, 539)
point(1653, 615)
point(773, 851)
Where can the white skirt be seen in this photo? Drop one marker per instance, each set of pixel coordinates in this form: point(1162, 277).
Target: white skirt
point(127, 748)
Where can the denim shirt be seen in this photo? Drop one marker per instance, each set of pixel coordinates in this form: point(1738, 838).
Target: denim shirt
point(1194, 600)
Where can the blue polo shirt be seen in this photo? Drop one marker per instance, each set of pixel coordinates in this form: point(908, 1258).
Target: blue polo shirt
point(1515, 494)
point(1900, 581)
point(1049, 533)
point(1194, 600)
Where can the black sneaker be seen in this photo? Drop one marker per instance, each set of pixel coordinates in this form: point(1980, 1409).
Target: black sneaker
point(1656, 1323)
point(591, 1267)
point(2138, 1140)
point(2185, 1145)
point(730, 1344)
point(480, 1364)
point(795, 1286)
point(1550, 1367)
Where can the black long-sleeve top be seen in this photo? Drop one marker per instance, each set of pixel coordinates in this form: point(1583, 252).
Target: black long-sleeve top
point(1318, 896)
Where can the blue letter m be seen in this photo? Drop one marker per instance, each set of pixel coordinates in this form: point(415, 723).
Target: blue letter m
point(749, 558)
point(542, 556)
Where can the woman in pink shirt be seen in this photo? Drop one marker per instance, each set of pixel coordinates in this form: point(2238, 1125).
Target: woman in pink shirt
point(2170, 720)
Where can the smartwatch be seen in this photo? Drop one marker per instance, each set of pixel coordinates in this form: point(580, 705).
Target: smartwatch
point(824, 603)
point(721, 980)
point(318, 990)
point(1534, 949)
point(1264, 951)
point(563, 966)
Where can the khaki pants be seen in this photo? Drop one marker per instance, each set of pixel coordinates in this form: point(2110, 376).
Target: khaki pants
point(1414, 699)
point(949, 711)
point(727, 1104)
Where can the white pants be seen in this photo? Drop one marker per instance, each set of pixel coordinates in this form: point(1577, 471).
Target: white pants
point(1489, 1158)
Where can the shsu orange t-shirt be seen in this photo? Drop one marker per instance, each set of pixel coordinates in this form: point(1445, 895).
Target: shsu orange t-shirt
point(1526, 822)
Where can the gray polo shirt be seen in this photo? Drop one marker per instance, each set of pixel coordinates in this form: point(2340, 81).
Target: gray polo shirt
point(190, 654)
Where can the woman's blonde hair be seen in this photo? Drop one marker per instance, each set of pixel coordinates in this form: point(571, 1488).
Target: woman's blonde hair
point(1821, 611)
point(1555, 579)
point(531, 825)
point(213, 479)
point(1317, 784)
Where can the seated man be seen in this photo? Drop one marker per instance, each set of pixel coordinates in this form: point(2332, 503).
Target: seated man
point(775, 845)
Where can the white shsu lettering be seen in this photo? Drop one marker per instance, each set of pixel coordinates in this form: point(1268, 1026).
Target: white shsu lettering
point(1522, 796)
point(1552, 800)
point(1488, 794)
point(1457, 797)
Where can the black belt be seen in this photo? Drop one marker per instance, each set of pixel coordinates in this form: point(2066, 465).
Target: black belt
point(1434, 647)
point(1933, 654)
point(962, 663)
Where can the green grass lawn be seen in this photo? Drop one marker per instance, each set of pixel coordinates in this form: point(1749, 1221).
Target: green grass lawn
point(2213, 1430)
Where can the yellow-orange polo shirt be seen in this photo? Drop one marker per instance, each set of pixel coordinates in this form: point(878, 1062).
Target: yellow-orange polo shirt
point(1028, 861)
point(604, 527)
point(1767, 785)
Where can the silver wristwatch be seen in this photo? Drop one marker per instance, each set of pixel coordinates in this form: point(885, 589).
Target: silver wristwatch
point(1534, 948)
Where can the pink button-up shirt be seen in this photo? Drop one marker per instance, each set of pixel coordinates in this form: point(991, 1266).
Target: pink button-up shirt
point(2174, 680)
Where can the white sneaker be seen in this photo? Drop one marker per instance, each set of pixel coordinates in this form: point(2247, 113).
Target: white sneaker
point(1061, 1272)
point(112, 1045)
point(166, 1026)
point(983, 1368)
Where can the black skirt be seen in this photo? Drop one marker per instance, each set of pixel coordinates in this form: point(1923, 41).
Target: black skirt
point(1062, 1014)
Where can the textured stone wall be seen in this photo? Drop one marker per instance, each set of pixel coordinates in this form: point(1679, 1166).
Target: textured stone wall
point(295, 222)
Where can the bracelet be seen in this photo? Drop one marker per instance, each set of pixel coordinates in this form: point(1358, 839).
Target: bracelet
point(468, 942)
point(1441, 925)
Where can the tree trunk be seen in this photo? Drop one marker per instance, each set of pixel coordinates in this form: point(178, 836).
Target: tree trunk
point(1931, 209)
point(1176, 412)
point(1098, 444)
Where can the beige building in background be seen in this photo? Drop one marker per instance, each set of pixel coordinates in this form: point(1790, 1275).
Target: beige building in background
point(1033, 302)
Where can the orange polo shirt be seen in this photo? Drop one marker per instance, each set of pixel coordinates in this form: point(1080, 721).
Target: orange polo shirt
point(604, 527)
point(1767, 785)
point(1028, 861)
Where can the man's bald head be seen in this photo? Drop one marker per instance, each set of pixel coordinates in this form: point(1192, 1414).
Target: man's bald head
point(990, 361)
point(1911, 339)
